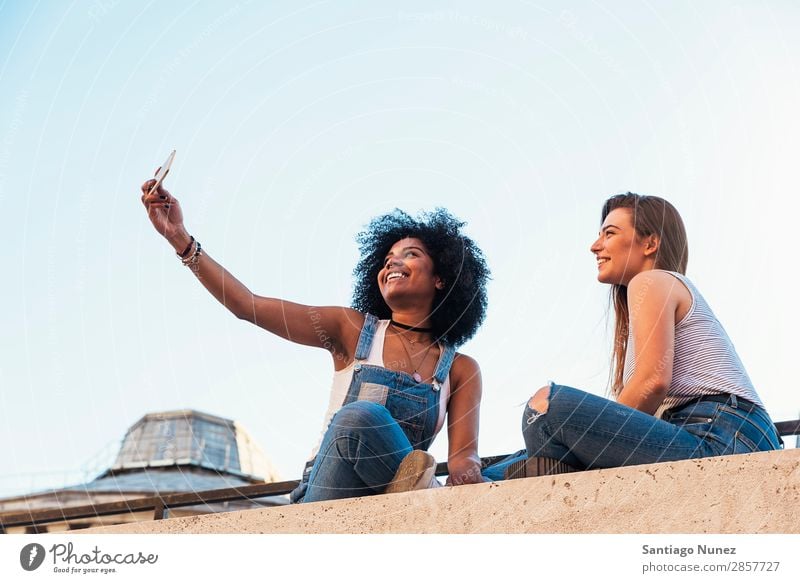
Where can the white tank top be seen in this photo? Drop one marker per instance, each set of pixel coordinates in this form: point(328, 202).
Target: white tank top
point(343, 378)
point(705, 362)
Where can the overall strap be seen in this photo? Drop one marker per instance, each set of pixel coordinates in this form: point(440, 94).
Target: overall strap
point(365, 339)
point(445, 361)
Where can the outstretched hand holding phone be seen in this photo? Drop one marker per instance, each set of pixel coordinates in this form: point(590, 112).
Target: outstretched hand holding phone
point(163, 209)
point(286, 319)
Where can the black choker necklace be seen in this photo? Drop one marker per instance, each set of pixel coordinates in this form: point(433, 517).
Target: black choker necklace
point(411, 328)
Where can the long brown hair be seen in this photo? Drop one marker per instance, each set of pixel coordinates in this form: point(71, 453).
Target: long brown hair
point(650, 215)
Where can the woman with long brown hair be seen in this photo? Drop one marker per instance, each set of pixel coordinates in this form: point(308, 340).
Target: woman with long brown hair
point(680, 390)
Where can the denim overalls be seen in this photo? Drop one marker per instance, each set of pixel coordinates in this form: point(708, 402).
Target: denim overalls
point(414, 407)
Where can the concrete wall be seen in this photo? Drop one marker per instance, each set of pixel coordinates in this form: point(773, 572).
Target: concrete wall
point(754, 493)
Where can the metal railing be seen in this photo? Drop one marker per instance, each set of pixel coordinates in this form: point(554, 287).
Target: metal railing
point(159, 504)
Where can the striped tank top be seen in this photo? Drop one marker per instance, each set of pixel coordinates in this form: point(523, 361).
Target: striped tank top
point(705, 362)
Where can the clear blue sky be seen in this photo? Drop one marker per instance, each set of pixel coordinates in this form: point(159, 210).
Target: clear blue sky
point(296, 122)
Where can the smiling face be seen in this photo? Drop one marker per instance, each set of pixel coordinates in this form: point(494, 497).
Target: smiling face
point(408, 275)
point(620, 253)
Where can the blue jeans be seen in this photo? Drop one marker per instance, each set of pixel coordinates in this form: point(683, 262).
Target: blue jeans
point(588, 432)
point(359, 455)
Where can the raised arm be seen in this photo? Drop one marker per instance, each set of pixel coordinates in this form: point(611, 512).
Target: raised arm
point(655, 299)
point(333, 328)
point(463, 462)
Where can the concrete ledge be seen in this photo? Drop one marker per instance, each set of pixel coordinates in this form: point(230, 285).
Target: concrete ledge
point(753, 493)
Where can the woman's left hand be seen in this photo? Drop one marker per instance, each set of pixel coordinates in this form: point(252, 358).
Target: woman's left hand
point(464, 471)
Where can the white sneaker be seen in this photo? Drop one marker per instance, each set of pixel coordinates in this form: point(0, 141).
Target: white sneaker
point(417, 471)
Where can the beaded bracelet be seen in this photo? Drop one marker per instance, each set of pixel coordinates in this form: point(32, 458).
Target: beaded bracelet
point(192, 259)
point(188, 248)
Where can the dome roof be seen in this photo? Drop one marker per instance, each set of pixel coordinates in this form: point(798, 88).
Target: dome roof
point(190, 437)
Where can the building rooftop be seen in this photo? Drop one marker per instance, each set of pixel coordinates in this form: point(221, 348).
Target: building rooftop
point(189, 437)
point(172, 452)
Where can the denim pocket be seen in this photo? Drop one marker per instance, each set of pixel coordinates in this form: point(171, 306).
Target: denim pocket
point(411, 413)
point(683, 421)
point(699, 425)
point(725, 429)
point(701, 420)
point(754, 429)
point(373, 392)
point(743, 444)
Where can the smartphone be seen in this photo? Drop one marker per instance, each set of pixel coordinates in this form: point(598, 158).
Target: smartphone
point(162, 172)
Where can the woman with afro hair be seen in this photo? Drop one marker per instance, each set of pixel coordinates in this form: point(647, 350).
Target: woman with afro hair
point(420, 292)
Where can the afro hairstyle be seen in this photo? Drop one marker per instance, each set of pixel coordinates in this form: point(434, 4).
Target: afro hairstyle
point(460, 308)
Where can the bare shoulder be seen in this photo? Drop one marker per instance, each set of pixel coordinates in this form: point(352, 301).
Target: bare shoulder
point(464, 369)
point(650, 278)
point(659, 283)
point(659, 287)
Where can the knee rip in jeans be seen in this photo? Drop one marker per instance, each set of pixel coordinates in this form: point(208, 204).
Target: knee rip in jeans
point(539, 403)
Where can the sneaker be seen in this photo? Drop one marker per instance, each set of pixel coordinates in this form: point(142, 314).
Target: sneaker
point(417, 471)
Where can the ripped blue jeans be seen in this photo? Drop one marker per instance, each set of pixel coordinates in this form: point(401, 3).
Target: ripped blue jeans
point(589, 432)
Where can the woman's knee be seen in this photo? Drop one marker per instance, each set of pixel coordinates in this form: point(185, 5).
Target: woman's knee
point(360, 414)
point(540, 401)
point(558, 400)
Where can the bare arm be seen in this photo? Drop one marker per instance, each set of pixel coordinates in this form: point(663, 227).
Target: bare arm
point(332, 328)
point(653, 300)
point(463, 462)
